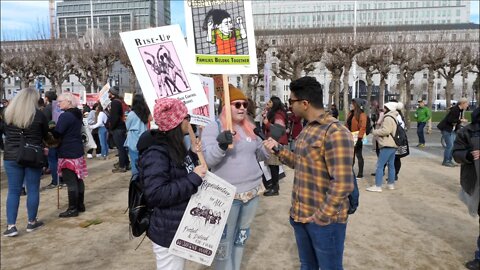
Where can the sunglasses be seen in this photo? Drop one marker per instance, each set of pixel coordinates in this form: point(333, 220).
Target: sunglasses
point(239, 104)
point(188, 117)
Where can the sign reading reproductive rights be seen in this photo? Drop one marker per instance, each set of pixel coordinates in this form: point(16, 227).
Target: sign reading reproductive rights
point(220, 36)
point(201, 228)
point(158, 56)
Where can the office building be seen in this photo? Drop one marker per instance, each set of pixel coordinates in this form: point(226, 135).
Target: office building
point(110, 17)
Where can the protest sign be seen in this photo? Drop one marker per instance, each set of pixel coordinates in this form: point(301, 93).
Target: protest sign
point(201, 228)
point(103, 96)
point(127, 98)
point(203, 115)
point(159, 58)
point(220, 36)
point(91, 99)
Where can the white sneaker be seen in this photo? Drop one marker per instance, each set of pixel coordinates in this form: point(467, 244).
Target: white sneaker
point(391, 186)
point(89, 156)
point(374, 189)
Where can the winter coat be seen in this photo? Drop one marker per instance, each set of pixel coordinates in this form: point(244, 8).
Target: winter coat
point(467, 140)
point(384, 134)
point(359, 124)
point(167, 186)
point(34, 134)
point(451, 120)
point(69, 130)
point(280, 118)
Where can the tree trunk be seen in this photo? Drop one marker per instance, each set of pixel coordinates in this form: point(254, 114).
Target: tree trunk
point(369, 76)
point(132, 80)
point(297, 72)
point(448, 91)
point(464, 84)
point(346, 103)
point(430, 98)
point(336, 84)
point(246, 86)
point(407, 101)
point(401, 87)
point(381, 92)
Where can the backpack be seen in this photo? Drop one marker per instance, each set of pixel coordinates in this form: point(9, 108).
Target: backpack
point(138, 211)
point(400, 136)
point(369, 126)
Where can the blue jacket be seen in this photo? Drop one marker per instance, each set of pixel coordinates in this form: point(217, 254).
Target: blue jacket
point(69, 130)
point(168, 188)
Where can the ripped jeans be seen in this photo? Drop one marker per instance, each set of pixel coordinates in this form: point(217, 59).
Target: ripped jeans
point(237, 230)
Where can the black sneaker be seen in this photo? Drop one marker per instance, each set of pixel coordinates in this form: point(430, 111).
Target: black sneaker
point(11, 232)
point(119, 170)
point(473, 264)
point(23, 192)
point(33, 226)
point(359, 176)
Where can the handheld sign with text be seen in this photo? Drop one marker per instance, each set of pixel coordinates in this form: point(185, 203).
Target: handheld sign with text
point(203, 115)
point(158, 56)
point(203, 222)
point(220, 36)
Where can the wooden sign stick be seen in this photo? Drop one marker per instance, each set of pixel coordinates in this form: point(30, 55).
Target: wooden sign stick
point(193, 141)
point(228, 109)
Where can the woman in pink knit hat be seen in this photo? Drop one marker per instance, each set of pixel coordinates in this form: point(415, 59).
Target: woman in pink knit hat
point(170, 176)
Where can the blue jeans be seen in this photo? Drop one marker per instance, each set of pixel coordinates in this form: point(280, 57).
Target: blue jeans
point(386, 155)
point(449, 138)
point(420, 134)
point(103, 136)
point(320, 247)
point(119, 137)
point(237, 230)
point(133, 160)
point(52, 164)
point(16, 174)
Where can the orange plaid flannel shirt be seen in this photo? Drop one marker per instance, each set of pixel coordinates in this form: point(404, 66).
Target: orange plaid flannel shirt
point(323, 171)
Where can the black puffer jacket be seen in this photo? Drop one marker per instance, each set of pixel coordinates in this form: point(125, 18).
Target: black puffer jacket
point(468, 139)
point(34, 134)
point(168, 187)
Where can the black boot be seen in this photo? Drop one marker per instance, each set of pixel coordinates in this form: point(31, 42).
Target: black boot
point(81, 205)
point(273, 191)
point(72, 206)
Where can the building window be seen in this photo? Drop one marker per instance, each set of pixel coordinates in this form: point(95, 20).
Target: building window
point(273, 54)
point(425, 75)
point(274, 42)
point(68, 79)
point(467, 36)
point(398, 76)
point(274, 78)
point(274, 66)
point(454, 36)
point(274, 88)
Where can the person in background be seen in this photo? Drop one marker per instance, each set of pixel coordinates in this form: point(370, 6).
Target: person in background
point(383, 135)
point(101, 120)
point(295, 128)
point(170, 176)
point(72, 166)
point(334, 110)
point(323, 178)
point(238, 166)
point(466, 151)
point(357, 121)
point(91, 120)
point(278, 116)
point(401, 121)
point(51, 96)
point(422, 115)
point(119, 130)
point(449, 125)
point(23, 115)
point(137, 123)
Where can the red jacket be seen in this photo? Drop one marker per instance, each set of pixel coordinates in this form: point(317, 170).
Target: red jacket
point(295, 125)
point(279, 119)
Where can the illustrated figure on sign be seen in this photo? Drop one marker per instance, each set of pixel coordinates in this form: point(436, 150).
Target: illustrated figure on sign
point(165, 57)
point(221, 32)
point(164, 81)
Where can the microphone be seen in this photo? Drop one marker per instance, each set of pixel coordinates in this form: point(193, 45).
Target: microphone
point(260, 134)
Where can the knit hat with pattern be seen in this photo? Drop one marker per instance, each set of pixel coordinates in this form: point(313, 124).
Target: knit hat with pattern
point(168, 113)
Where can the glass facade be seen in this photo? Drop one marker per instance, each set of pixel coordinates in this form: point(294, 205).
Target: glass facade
point(111, 17)
point(274, 14)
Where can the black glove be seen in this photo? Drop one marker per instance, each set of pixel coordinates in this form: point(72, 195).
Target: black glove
point(224, 139)
point(359, 142)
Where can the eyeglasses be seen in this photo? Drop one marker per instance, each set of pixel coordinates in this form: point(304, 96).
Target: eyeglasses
point(188, 117)
point(239, 104)
point(291, 101)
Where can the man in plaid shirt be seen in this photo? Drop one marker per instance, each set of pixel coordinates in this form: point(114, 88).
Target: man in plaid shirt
point(323, 179)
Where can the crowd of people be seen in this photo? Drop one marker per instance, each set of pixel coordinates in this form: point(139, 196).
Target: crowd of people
point(302, 135)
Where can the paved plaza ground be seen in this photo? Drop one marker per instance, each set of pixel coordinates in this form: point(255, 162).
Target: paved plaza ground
point(420, 225)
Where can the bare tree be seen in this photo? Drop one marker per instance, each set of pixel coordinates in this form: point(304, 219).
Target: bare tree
point(409, 62)
point(465, 67)
point(383, 67)
point(57, 63)
point(475, 62)
point(449, 69)
point(298, 56)
point(432, 57)
point(252, 82)
point(335, 65)
point(22, 64)
point(125, 61)
point(367, 60)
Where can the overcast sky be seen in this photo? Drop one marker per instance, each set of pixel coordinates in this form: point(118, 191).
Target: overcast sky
point(29, 19)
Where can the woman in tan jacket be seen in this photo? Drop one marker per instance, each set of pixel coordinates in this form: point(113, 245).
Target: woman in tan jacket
point(384, 137)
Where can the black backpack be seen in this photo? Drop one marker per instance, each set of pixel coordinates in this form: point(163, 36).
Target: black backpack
point(138, 211)
point(400, 136)
point(369, 125)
